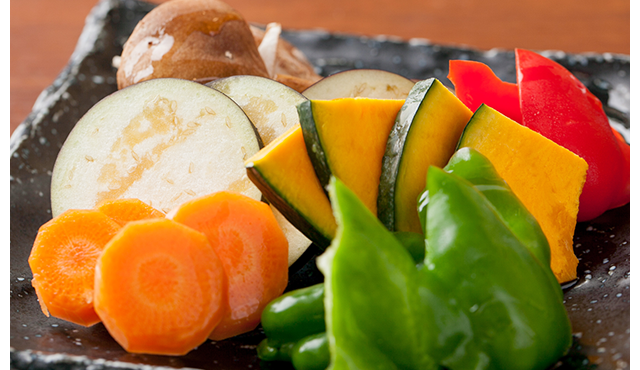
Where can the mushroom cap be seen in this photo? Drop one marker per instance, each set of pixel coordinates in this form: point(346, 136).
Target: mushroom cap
point(190, 39)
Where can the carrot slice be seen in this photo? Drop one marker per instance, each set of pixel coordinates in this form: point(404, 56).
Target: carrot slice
point(253, 250)
point(126, 210)
point(63, 260)
point(159, 287)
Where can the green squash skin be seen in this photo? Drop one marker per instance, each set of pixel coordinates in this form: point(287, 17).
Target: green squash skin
point(313, 143)
point(391, 162)
point(288, 209)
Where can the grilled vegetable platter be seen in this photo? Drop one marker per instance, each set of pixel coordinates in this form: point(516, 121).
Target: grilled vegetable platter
point(306, 200)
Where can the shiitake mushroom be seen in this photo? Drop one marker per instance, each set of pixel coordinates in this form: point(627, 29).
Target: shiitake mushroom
point(190, 39)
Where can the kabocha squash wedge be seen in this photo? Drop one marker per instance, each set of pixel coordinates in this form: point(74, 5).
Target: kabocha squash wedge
point(546, 177)
point(283, 172)
point(347, 138)
point(425, 133)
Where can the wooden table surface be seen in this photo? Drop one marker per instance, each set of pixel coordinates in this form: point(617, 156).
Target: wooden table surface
point(44, 32)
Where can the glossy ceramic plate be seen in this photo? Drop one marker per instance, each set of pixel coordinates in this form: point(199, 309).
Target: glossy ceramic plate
point(598, 302)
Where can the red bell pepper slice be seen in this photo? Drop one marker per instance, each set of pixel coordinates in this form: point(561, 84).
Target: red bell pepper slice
point(558, 106)
point(476, 84)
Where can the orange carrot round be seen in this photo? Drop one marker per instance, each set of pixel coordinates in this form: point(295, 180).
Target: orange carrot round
point(159, 287)
point(253, 250)
point(63, 260)
point(126, 210)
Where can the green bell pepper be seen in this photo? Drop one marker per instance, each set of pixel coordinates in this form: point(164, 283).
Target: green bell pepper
point(496, 306)
point(311, 353)
point(477, 169)
point(414, 244)
point(289, 320)
point(375, 317)
point(272, 350)
point(294, 315)
point(307, 353)
point(483, 299)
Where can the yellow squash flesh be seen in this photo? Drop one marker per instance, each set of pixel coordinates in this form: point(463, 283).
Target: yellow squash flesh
point(353, 133)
